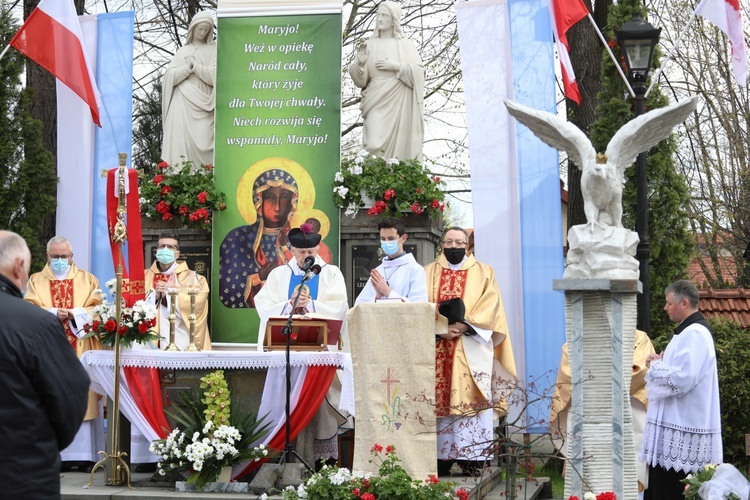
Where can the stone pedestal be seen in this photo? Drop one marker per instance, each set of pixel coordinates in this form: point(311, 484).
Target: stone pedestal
point(600, 328)
point(360, 245)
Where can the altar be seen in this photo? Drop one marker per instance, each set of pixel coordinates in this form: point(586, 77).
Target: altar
point(141, 403)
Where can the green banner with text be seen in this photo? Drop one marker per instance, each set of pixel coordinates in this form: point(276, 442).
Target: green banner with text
point(278, 113)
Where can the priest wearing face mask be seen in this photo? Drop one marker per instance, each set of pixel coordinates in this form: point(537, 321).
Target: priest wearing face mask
point(474, 359)
point(399, 276)
point(166, 264)
point(71, 294)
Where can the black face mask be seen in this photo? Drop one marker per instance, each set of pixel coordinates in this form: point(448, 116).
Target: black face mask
point(454, 255)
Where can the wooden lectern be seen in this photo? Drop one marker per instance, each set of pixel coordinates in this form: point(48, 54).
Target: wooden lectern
point(311, 334)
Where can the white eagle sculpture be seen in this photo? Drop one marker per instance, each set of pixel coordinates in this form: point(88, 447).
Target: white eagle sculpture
point(603, 175)
point(602, 248)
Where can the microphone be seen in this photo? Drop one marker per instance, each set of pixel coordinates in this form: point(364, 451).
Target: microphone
point(309, 261)
point(314, 270)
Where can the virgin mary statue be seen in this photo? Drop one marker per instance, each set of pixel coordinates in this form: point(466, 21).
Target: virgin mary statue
point(389, 71)
point(189, 98)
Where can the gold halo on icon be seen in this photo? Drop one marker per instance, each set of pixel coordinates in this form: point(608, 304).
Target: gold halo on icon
point(305, 186)
point(301, 216)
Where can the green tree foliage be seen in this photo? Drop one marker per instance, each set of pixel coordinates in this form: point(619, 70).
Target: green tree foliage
point(27, 170)
point(669, 238)
point(147, 133)
point(733, 359)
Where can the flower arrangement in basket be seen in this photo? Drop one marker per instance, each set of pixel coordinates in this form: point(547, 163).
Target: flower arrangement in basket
point(212, 437)
point(716, 481)
point(396, 186)
point(136, 325)
point(183, 191)
point(392, 481)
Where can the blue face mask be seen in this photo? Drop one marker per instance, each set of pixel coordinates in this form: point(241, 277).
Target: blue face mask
point(59, 266)
point(165, 256)
point(389, 247)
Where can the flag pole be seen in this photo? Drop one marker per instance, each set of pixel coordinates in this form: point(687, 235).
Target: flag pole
point(611, 55)
point(659, 71)
point(4, 51)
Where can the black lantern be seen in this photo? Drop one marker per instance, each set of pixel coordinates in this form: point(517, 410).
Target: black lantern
point(637, 40)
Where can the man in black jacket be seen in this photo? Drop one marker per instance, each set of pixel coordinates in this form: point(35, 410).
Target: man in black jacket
point(44, 387)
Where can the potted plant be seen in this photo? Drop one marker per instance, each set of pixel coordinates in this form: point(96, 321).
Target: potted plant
point(211, 439)
point(395, 186)
point(182, 192)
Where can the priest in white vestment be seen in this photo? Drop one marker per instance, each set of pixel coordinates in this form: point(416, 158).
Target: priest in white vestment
point(399, 276)
point(474, 363)
point(323, 296)
point(683, 421)
point(71, 294)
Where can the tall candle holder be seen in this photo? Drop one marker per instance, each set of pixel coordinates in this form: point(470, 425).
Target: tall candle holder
point(193, 288)
point(173, 288)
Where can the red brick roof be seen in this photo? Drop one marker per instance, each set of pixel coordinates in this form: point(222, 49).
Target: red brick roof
point(733, 304)
point(726, 264)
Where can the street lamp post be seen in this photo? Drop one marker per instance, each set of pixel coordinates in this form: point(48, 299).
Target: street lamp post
point(637, 39)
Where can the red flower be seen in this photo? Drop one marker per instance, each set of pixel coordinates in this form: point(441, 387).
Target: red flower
point(441, 207)
point(416, 208)
point(380, 207)
point(167, 216)
point(162, 164)
point(607, 495)
point(462, 494)
point(366, 484)
point(420, 191)
point(368, 496)
point(376, 448)
point(389, 193)
point(573, 498)
point(158, 178)
point(435, 203)
point(202, 197)
point(199, 214)
point(223, 206)
point(432, 478)
point(143, 327)
point(122, 330)
point(163, 207)
point(208, 166)
point(87, 328)
point(152, 322)
point(390, 449)
point(355, 492)
point(436, 179)
point(184, 210)
point(165, 190)
point(110, 325)
point(95, 325)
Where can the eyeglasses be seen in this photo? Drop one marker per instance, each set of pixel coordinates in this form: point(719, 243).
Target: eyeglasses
point(59, 256)
point(454, 243)
point(171, 247)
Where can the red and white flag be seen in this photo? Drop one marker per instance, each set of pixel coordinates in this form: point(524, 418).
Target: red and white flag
point(566, 13)
point(51, 37)
point(726, 15)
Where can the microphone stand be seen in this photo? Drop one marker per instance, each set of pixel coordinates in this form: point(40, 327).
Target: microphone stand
point(287, 331)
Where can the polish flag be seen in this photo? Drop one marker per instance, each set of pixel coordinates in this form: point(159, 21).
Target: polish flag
point(51, 37)
point(565, 13)
point(726, 15)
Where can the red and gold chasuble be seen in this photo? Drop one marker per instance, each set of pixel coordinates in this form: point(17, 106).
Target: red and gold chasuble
point(61, 292)
point(452, 285)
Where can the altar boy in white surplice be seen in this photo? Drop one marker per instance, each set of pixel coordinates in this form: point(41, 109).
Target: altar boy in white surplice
point(323, 296)
point(399, 276)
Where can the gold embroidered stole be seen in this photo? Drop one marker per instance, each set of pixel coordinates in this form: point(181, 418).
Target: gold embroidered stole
point(452, 285)
point(61, 292)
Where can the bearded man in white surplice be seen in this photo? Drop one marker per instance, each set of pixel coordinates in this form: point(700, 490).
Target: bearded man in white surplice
point(390, 73)
point(71, 294)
